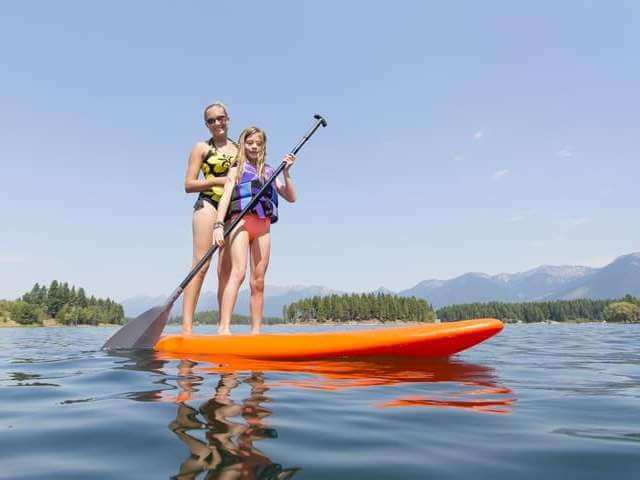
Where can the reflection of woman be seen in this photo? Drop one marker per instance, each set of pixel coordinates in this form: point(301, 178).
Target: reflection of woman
point(228, 451)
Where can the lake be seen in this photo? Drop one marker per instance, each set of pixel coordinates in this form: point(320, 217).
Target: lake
point(536, 401)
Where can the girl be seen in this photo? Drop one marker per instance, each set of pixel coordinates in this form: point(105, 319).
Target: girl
point(252, 234)
point(213, 158)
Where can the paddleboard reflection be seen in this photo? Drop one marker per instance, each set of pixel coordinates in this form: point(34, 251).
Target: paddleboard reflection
point(477, 387)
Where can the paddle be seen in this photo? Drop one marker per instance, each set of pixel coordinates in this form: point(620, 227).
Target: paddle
point(145, 330)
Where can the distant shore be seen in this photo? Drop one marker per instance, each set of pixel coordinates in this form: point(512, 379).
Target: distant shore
point(50, 323)
point(53, 323)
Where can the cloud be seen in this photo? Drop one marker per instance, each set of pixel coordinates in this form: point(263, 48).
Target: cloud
point(478, 135)
point(516, 219)
point(574, 222)
point(11, 259)
point(568, 224)
point(566, 152)
point(499, 174)
point(597, 262)
point(458, 158)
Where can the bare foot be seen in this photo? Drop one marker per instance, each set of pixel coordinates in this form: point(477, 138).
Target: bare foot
point(255, 331)
point(224, 331)
point(186, 332)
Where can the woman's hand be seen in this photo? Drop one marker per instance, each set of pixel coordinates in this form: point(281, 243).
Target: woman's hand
point(218, 235)
point(289, 158)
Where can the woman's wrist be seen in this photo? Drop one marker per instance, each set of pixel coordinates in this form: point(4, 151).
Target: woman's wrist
point(218, 224)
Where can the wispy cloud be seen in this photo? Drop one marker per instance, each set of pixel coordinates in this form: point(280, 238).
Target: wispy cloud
point(458, 158)
point(576, 222)
point(568, 224)
point(516, 219)
point(565, 152)
point(478, 135)
point(597, 262)
point(11, 259)
point(499, 175)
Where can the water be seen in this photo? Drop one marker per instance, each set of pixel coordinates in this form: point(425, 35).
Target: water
point(537, 401)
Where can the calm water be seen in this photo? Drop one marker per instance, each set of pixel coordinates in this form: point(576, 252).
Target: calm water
point(537, 401)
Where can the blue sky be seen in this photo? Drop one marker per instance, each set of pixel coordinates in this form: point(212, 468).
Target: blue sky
point(463, 136)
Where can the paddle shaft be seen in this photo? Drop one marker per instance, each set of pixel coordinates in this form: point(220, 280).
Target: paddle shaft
point(320, 121)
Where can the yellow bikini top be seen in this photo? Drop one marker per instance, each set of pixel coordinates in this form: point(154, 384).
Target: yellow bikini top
point(216, 164)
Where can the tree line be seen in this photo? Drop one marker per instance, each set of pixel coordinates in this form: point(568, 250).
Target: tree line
point(359, 307)
point(65, 304)
point(210, 317)
point(626, 309)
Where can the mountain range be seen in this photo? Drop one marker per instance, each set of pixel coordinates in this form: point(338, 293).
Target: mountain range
point(620, 277)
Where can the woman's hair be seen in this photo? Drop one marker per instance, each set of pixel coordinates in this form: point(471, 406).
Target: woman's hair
point(215, 104)
point(241, 157)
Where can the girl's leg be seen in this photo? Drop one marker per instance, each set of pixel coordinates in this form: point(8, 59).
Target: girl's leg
point(260, 251)
point(237, 245)
point(203, 220)
point(224, 268)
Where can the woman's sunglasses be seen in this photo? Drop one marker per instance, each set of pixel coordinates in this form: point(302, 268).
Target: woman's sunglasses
point(220, 119)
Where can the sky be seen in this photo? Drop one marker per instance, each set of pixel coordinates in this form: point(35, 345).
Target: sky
point(463, 136)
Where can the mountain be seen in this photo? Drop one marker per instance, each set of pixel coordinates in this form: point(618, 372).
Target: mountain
point(383, 291)
point(134, 306)
point(547, 282)
point(620, 277)
point(276, 297)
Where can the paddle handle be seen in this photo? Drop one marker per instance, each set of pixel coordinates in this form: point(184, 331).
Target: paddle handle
point(320, 121)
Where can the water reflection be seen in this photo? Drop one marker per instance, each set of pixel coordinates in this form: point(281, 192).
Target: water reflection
point(475, 386)
point(220, 429)
point(230, 430)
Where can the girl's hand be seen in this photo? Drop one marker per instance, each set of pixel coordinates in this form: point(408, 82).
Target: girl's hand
point(218, 235)
point(289, 158)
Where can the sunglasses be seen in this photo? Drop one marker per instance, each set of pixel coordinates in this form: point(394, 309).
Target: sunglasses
point(220, 119)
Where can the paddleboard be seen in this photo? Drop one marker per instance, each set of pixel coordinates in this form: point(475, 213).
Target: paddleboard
point(434, 340)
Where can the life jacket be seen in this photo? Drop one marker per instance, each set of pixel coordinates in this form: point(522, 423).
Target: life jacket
point(215, 164)
point(248, 187)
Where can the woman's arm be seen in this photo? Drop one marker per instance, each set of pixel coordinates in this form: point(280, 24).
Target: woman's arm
point(286, 190)
point(191, 182)
point(223, 206)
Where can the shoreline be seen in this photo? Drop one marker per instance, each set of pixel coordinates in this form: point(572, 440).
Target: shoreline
point(12, 324)
point(372, 323)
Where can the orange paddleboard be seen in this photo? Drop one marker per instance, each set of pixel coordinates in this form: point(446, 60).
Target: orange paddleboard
point(425, 341)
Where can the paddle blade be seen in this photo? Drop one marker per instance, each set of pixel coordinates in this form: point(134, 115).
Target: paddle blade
point(141, 332)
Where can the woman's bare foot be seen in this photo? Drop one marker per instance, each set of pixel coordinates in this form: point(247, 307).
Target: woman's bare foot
point(224, 331)
point(186, 331)
point(255, 331)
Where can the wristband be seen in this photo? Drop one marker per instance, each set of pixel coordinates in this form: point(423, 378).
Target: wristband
point(218, 224)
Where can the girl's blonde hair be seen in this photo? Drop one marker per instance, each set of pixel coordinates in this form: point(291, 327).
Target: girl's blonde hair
point(241, 157)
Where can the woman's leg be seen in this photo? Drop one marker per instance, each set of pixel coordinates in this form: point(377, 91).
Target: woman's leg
point(203, 219)
point(260, 251)
point(237, 245)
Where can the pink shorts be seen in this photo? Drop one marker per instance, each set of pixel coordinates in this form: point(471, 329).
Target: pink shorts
point(254, 225)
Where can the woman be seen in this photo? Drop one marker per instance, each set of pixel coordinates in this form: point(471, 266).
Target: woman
point(252, 234)
point(213, 158)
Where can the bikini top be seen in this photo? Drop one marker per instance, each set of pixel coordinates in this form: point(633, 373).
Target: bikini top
point(215, 164)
